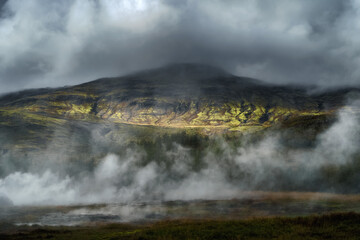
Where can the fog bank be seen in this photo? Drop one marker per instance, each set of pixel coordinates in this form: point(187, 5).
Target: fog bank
point(221, 171)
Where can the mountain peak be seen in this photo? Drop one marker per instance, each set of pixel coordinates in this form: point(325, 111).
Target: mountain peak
point(184, 71)
point(193, 67)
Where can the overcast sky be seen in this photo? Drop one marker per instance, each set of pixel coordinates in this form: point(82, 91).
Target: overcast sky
point(54, 43)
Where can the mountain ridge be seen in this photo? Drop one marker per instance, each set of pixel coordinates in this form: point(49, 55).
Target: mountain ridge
point(177, 95)
point(82, 123)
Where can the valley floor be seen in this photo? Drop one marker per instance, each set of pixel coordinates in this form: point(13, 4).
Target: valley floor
point(330, 226)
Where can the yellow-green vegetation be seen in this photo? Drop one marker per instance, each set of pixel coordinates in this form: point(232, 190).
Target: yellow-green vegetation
point(331, 226)
point(232, 116)
point(71, 110)
point(172, 98)
point(32, 117)
point(77, 92)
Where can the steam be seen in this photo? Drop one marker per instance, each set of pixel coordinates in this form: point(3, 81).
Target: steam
point(221, 173)
point(115, 180)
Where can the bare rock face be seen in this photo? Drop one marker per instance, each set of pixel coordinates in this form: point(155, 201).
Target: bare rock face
point(5, 201)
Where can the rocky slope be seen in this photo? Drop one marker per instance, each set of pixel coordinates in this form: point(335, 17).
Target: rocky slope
point(179, 96)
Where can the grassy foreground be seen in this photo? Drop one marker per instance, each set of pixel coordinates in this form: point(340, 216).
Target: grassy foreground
point(331, 226)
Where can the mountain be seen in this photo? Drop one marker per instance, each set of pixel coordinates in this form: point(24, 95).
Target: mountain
point(177, 96)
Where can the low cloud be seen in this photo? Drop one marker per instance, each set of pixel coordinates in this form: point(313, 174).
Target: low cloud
point(47, 43)
point(219, 172)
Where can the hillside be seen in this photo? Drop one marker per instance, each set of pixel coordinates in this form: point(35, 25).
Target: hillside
point(179, 96)
point(181, 111)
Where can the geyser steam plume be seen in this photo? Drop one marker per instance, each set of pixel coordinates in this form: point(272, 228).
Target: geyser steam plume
point(220, 172)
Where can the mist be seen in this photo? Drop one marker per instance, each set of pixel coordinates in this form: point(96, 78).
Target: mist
point(221, 170)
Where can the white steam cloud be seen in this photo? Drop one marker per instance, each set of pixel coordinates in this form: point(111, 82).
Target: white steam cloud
point(252, 166)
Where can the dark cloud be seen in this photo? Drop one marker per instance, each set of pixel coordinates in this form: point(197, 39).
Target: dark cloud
point(3, 12)
point(2, 3)
point(54, 43)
